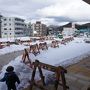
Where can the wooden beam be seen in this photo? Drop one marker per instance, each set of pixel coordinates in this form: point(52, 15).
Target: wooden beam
point(50, 67)
point(87, 1)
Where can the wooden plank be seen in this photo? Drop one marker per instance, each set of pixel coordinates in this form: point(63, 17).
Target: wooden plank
point(50, 67)
point(87, 1)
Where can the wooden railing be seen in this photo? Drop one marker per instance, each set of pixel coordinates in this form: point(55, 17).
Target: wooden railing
point(59, 72)
point(59, 75)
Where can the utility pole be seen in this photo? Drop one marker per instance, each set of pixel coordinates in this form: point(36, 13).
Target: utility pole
point(0, 24)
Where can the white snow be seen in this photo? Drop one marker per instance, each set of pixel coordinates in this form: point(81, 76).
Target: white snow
point(64, 55)
point(12, 48)
point(13, 39)
point(64, 52)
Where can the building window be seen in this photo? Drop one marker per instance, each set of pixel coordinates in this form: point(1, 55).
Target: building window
point(19, 24)
point(5, 28)
point(10, 33)
point(5, 19)
point(18, 28)
point(9, 19)
point(5, 24)
point(9, 23)
point(18, 33)
point(10, 29)
point(5, 33)
point(18, 19)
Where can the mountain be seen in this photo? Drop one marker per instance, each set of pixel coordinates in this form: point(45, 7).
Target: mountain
point(77, 26)
point(83, 26)
point(67, 25)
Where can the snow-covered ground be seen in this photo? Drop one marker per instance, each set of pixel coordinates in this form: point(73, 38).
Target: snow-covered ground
point(13, 39)
point(76, 48)
point(64, 55)
point(12, 48)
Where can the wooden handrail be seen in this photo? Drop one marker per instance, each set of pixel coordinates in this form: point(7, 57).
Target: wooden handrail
point(59, 72)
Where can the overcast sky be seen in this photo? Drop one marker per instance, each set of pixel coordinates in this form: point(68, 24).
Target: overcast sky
point(48, 11)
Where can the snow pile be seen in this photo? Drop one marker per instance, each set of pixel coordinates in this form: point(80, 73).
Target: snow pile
point(64, 55)
point(76, 48)
point(7, 39)
point(13, 39)
point(23, 71)
point(12, 48)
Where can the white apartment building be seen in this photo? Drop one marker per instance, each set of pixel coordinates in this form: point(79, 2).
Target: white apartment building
point(69, 31)
point(39, 29)
point(12, 27)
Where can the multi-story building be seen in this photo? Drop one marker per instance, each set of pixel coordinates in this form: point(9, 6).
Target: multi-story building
point(69, 31)
point(53, 30)
point(28, 31)
point(39, 29)
point(12, 27)
point(0, 24)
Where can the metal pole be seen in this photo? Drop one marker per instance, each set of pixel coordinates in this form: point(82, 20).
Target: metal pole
point(0, 24)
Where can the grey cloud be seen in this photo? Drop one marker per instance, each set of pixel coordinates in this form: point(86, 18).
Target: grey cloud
point(69, 19)
point(26, 8)
point(61, 19)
